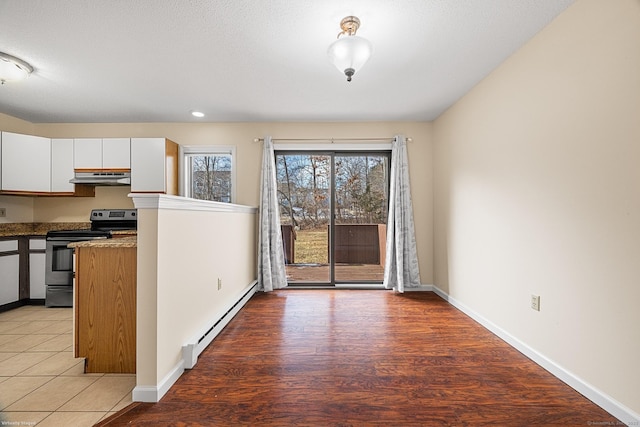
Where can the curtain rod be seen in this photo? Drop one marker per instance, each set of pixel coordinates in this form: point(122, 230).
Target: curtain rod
point(331, 140)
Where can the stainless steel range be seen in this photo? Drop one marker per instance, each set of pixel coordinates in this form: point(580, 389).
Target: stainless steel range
point(59, 258)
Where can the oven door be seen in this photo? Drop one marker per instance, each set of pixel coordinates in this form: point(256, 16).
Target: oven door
point(59, 259)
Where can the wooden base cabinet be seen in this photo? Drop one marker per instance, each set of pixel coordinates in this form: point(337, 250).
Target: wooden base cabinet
point(105, 308)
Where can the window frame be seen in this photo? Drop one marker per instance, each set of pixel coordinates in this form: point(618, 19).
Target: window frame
point(187, 151)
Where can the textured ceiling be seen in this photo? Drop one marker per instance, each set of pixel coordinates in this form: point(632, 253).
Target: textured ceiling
point(254, 60)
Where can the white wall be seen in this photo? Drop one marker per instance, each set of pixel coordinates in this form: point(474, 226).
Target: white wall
point(12, 124)
point(249, 157)
point(17, 208)
point(537, 191)
point(77, 209)
point(184, 247)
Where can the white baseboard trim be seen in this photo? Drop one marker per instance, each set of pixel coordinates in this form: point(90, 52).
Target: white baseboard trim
point(200, 341)
point(606, 402)
point(191, 351)
point(421, 288)
point(153, 394)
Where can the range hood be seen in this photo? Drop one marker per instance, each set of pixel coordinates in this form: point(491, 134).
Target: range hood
point(101, 178)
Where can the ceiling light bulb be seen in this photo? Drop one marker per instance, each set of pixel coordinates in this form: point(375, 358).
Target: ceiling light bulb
point(197, 114)
point(12, 68)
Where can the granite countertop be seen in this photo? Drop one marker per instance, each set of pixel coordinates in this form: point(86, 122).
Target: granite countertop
point(121, 233)
point(17, 229)
point(118, 242)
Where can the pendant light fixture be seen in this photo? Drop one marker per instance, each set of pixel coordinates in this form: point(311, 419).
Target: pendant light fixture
point(350, 52)
point(12, 68)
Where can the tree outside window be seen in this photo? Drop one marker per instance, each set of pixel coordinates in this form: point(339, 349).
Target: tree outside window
point(211, 177)
point(209, 173)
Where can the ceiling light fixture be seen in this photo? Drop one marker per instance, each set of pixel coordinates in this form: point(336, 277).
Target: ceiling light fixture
point(12, 68)
point(351, 52)
point(197, 114)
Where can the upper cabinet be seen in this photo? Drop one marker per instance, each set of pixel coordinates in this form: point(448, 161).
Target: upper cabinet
point(37, 166)
point(102, 153)
point(61, 165)
point(33, 165)
point(26, 163)
point(87, 153)
point(154, 166)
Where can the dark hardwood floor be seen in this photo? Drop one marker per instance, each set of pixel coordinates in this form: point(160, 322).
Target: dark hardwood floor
point(361, 358)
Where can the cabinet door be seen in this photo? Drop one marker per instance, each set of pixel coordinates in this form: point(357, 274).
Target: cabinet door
point(26, 163)
point(37, 288)
point(116, 153)
point(87, 153)
point(9, 272)
point(148, 165)
point(37, 265)
point(61, 165)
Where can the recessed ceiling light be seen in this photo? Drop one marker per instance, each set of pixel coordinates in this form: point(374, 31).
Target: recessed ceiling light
point(197, 114)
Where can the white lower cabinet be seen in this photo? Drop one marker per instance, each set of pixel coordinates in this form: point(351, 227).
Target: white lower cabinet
point(9, 272)
point(37, 265)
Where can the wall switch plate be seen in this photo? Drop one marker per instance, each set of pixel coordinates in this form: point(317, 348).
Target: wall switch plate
point(3, 212)
point(535, 302)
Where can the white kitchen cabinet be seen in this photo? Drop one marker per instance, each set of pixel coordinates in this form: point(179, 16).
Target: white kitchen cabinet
point(154, 166)
point(102, 153)
point(61, 165)
point(26, 163)
point(37, 265)
point(116, 153)
point(9, 272)
point(87, 153)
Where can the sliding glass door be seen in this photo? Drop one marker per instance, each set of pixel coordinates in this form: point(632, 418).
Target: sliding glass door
point(360, 217)
point(333, 211)
point(304, 194)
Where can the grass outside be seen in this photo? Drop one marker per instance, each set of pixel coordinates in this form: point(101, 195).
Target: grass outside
point(312, 247)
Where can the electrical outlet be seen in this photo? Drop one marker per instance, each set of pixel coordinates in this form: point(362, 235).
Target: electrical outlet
point(219, 284)
point(535, 302)
point(3, 212)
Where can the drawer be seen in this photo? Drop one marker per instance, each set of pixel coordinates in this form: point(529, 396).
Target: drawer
point(37, 244)
point(8, 245)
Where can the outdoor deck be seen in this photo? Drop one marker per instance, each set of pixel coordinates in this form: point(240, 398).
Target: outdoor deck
point(314, 273)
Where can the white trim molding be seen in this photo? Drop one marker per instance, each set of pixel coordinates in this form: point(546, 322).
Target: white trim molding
point(200, 341)
point(153, 394)
point(421, 288)
point(603, 400)
point(164, 201)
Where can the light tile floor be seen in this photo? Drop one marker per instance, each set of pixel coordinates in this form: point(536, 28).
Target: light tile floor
point(41, 383)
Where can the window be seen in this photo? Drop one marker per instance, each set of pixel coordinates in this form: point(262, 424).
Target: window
point(209, 173)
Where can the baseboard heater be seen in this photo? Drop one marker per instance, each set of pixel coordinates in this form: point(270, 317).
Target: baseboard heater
point(192, 350)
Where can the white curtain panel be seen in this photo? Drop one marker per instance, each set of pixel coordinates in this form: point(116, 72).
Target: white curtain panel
point(271, 271)
point(401, 266)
